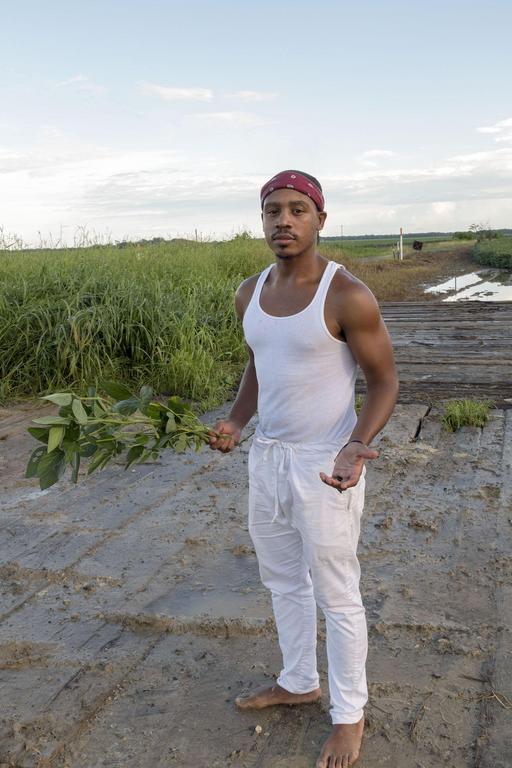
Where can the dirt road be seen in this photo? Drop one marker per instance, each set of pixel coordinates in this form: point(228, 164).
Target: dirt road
point(132, 613)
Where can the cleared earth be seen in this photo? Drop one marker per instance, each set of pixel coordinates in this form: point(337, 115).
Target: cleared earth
point(132, 612)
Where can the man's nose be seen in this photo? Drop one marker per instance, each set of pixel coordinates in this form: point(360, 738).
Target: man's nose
point(283, 220)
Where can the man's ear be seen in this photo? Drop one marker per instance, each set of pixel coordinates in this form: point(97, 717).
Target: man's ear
point(322, 215)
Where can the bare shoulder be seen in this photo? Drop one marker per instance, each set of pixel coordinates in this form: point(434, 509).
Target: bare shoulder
point(244, 294)
point(351, 300)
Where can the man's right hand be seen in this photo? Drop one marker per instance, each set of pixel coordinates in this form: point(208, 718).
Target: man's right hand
point(225, 436)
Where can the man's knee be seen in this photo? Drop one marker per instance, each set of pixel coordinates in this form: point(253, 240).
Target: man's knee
point(298, 586)
point(336, 581)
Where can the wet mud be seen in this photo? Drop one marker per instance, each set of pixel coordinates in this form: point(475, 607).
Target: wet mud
point(132, 614)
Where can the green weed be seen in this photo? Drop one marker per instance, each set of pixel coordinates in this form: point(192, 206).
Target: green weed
point(462, 413)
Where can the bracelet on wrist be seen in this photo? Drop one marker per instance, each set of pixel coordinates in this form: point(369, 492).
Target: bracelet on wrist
point(354, 441)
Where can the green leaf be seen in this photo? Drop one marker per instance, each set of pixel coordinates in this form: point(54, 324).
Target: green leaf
point(55, 438)
point(70, 447)
point(79, 411)
point(98, 458)
point(75, 466)
point(153, 410)
point(33, 461)
point(145, 394)
point(40, 433)
point(115, 390)
point(50, 468)
point(181, 444)
point(88, 449)
point(133, 454)
point(98, 410)
point(127, 407)
point(176, 405)
point(63, 398)
point(171, 423)
point(52, 421)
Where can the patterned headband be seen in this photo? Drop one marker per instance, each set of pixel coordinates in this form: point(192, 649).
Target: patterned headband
point(290, 180)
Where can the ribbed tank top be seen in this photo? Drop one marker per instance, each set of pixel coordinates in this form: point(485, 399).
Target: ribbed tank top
point(306, 377)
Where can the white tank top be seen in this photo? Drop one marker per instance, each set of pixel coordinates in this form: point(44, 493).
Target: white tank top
point(306, 377)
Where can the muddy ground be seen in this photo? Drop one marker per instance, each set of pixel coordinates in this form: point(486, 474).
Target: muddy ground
point(132, 613)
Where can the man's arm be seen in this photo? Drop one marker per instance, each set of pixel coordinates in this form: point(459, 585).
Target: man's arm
point(227, 432)
point(369, 342)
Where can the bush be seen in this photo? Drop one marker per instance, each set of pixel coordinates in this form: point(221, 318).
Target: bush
point(494, 253)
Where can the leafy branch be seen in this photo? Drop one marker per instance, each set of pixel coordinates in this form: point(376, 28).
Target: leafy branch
point(100, 427)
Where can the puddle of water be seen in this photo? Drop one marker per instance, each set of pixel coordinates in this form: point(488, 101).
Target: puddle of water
point(484, 285)
point(485, 291)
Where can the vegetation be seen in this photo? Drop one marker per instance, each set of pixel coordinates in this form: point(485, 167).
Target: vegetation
point(158, 312)
point(462, 413)
point(494, 253)
point(100, 427)
point(464, 235)
point(161, 314)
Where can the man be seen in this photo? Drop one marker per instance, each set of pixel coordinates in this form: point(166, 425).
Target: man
point(308, 323)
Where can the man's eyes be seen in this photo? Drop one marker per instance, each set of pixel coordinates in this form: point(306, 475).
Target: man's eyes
point(275, 212)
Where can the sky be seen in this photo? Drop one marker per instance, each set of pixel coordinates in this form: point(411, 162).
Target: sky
point(128, 119)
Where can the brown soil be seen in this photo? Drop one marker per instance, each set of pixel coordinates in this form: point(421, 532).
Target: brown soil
point(132, 614)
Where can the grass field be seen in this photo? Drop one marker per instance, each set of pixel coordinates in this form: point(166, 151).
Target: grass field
point(159, 314)
point(494, 253)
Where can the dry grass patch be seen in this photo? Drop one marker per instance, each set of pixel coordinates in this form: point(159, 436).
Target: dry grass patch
point(392, 280)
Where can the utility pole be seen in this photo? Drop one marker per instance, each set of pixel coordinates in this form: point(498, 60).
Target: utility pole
point(341, 230)
point(401, 244)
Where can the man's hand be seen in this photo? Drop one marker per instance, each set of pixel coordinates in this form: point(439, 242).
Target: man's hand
point(348, 466)
point(225, 436)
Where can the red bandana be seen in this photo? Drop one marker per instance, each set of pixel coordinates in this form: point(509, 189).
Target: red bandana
point(290, 180)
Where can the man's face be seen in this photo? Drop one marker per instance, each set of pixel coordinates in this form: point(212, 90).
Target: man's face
point(291, 222)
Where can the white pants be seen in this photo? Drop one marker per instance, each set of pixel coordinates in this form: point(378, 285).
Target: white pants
point(305, 534)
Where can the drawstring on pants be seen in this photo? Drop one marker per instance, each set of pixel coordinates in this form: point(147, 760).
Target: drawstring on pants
point(286, 452)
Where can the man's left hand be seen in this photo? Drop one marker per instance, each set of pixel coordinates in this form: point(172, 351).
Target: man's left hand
point(348, 466)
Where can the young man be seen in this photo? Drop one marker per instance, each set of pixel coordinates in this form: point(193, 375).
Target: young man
point(308, 323)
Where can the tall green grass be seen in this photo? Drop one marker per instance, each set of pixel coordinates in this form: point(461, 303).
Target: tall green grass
point(160, 314)
point(494, 253)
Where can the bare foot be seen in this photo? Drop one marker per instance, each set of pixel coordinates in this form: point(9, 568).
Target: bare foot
point(341, 749)
point(267, 697)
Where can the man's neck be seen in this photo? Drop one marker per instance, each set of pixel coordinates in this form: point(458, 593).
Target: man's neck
point(301, 267)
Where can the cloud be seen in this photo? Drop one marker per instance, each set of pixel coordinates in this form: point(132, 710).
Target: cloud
point(497, 127)
point(443, 208)
point(478, 175)
point(69, 182)
point(234, 118)
point(82, 83)
point(501, 131)
point(371, 157)
point(251, 96)
point(371, 153)
point(171, 93)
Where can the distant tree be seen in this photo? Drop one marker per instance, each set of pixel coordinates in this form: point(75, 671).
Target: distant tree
point(483, 231)
point(244, 234)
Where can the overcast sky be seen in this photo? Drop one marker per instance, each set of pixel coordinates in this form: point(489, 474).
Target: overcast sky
point(143, 118)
